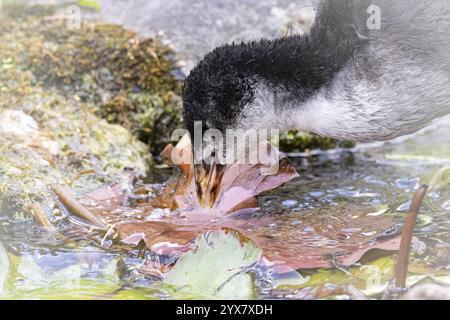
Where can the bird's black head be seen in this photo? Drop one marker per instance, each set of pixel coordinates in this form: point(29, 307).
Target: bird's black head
point(215, 94)
point(217, 89)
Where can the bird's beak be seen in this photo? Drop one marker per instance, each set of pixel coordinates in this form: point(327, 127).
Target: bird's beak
point(208, 178)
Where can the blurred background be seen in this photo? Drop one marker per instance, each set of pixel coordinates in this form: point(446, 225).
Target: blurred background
point(196, 27)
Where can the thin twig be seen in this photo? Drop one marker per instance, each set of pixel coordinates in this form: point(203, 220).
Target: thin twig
point(407, 234)
point(76, 207)
point(40, 217)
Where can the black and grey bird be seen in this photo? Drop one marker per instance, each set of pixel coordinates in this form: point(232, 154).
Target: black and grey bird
point(350, 77)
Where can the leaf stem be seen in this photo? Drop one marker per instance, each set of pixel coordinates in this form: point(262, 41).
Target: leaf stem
point(40, 217)
point(407, 234)
point(75, 207)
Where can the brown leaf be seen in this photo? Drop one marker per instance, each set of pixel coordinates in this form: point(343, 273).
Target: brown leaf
point(319, 242)
point(316, 238)
point(390, 245)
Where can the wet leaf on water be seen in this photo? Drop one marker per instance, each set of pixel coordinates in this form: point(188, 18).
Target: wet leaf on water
point(319, 243)
point(391, 245)
point(337, 236)
point(240, 184)
point(217, 268)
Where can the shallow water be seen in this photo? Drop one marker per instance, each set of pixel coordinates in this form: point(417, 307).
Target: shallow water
point(378, 179)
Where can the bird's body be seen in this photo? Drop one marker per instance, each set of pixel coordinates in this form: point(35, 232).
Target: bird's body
point(345, 79)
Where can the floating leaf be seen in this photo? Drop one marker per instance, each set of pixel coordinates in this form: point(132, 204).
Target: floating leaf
point(337, 236)
point(240, 184)
point(218, 268)
point(319, 242)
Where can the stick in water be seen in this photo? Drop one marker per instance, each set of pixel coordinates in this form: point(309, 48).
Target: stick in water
point(76, 207)
point(407, 234)
point(41, 218)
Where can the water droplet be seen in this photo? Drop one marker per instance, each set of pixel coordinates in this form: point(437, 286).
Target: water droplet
point(316, 194)
point(434, 195)
point(379, 212)
point(351, 230)
point(407, 183)
point(290, 203)
point(405, 206)
point(446, 205)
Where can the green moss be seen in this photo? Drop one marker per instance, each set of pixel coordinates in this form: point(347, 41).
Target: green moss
point(128, 78)
point(299, 142)
point(116, 59)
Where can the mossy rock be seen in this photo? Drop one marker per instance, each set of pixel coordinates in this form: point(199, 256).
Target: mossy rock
point(56, 141)
point(49, 135)
point(127, 79)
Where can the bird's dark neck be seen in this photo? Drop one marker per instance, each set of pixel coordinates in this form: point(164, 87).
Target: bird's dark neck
point(304, 64)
